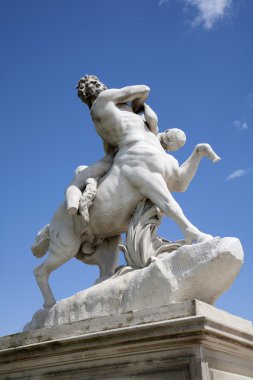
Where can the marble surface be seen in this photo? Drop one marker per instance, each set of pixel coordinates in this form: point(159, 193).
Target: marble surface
point(180, 341)
point(101, 199)
point(198, 271)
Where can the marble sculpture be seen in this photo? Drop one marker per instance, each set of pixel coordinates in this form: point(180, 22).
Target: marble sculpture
point(129, 191)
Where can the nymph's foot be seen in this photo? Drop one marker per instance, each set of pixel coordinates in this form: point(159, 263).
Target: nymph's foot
point(72, 211)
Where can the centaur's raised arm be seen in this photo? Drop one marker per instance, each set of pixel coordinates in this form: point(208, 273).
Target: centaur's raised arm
point(135, 94)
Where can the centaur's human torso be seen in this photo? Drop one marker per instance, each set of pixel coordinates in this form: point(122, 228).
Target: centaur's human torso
point(139, 149)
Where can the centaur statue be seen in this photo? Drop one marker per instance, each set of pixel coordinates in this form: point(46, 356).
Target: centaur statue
point(102, 198)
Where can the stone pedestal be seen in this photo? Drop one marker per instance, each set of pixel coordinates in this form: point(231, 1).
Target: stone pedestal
point(186, 340)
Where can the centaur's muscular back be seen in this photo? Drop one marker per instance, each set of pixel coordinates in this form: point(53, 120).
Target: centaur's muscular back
point(115, 120)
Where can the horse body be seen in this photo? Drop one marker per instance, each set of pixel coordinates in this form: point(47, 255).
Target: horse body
point(117, 197)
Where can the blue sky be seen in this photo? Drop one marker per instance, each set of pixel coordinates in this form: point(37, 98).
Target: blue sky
point(197, 57)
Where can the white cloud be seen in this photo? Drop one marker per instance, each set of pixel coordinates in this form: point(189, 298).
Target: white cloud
point(241, 125)
point(161, 2)
point(209, 11)
point(236, 174)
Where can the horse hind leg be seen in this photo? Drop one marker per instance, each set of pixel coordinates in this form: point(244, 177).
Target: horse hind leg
point(42, 272)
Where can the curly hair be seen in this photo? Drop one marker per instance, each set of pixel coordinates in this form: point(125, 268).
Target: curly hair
point(89, 87)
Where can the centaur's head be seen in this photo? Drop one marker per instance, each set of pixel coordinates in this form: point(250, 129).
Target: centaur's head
point(89, 87)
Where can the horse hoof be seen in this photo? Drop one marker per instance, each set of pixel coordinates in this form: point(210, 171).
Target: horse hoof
point(203, 238)
point(198, 238)
point(215, 158)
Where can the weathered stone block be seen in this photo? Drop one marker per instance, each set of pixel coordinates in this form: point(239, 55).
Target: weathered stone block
point(201, 271)
point(187, 340)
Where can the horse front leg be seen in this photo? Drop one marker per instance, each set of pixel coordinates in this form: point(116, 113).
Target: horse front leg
point(153, 186)
point(188, 169)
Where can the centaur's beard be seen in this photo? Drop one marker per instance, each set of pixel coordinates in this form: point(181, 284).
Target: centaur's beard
point(89, 97)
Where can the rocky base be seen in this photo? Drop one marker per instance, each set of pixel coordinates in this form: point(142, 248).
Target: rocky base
point(202, 271)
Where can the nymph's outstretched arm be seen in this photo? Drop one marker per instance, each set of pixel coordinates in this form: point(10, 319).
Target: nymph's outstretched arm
point(151, 119)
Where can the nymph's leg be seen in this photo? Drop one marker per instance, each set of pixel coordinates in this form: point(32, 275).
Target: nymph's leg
point(73, 196)
point(78, 184)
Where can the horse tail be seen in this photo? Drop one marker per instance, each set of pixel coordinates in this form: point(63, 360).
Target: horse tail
point(41, 244)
